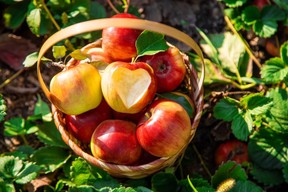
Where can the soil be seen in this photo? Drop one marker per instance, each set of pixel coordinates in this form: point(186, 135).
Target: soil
point(22, 92)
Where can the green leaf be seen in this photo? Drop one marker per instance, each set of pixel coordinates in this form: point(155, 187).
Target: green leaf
point(227, 170)
point(51, 157)
point(59, 51)
point(268, 149)
point(42, 108)
point(83, 188)
point(10, 166)
point(33, 20)
point(284, 53)
point(15, 14)
point(28, 173)
point(272, 13)
point(246, 186)
point(265, 28)
point(30, 59)
point(267, 176)
point(226, 109)
point(282, 3)
point(164, 182)
point(256, 103)
point(97, 10)
point(150, 43)
point(6, 187)
point(78, 55)
point(182, 100)
point(2, 108)
point(235, 3)
point(49, 135)
point(250, 14)
point(285, 172)
point(242, 126)
point(274, 70)
point(14, 126)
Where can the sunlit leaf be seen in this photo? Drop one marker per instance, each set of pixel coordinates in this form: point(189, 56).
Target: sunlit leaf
point(2, 108)
point(34, 20)
point(28, 173)
point(235, 3)
point(226, 109)
point(274, 70)
point(284, 53)
point(59, 51)
point(14, 15)
point(265, 28)
point(256, 103)
point(250, 14)
point(43, 109)
point(10, 166)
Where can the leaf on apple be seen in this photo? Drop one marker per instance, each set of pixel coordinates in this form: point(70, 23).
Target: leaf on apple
point(150, 43)
point(182, 100)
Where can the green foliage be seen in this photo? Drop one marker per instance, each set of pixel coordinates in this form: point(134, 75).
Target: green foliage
point(2, 108)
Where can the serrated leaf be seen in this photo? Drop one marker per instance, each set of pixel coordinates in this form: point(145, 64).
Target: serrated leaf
point(150, 43)
point(272, 12)
point(10, 166)
point(6, 187)
point(42, 108)
point(59, 51)
point(256, 103)
point(15, 14)
point(2, 108)
point(33, 20)
point(28, 173)
point(182, 100)
point(164, 182)
point(274, 70)
point(51, 157)
point(227, 170)
point(226, 109)
point(246, 186)
point(242, 126)
point(14, 126)
point(284, 53)
point(250, 14)
point(265, 28)
point(235, 3)
point(267, 176)
point(268, 149)
point(83, 188)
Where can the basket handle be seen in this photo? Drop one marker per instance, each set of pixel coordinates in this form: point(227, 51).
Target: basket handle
point(99, 24)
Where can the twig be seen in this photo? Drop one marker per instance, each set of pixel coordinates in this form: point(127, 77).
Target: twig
point(247, 47)
point(112, 6)
point(7, 81)
point(201, 160)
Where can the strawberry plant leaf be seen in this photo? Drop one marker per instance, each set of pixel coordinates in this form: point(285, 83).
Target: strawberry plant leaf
point(265, 28)
point(6, 187)
point(51, 158)
point(267, 176)
point(284, 53)
point(14, 126)
point(14, 15)
point(256, 103)
point(250, 14)
point(10, 167)
point(235, 3)
point(33, 20)
point(285, 172)
point(227, 170)
point(272, 12)
point(274, 70)
point(42, 108)
point(282, 3)
point(2, 108)
point(82, 188)
point(28, 173)
point(246, 186)
point(242, 126)
point(150, 43)
point(226, 109)
point(164, 182)
point(268, 148)
point(59, 51)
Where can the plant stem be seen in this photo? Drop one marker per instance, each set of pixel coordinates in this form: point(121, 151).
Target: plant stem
point(191, 184)
point(201, 160)
point(247, 47)
point(112, 6)
point(7, 81)
point(24, 139)
point(67, 42)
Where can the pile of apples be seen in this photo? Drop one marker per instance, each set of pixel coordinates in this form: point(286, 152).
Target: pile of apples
point(117, 111)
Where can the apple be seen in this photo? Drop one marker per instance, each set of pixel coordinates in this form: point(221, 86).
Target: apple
point(169, 68)
point(97, 54)
point(271, 47)
point(260, 3)
point(128, 87)
point(76, 89)
point(119, 43)
point(135, 117)
point(115, 141)
point(83, 125)
point(165, 128)
point(233, 150)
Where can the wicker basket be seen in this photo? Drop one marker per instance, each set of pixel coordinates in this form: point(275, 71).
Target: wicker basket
point(193, 85)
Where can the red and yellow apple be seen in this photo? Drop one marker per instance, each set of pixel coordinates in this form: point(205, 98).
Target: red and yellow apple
point(115, 141)
point(119, 43)
point(76, 89)
point(169, 68)
point(83, 125)
point(128, 88)
point(165, 129)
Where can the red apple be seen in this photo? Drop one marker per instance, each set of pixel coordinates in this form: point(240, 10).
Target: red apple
point(165, 129)
point(83, 125)
point(128, 88)
point(115, 141)
point(169, 68)
point(231, 150)
point(76, 89)
point(260, 3)
point(119, 43)
point(135, 117)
